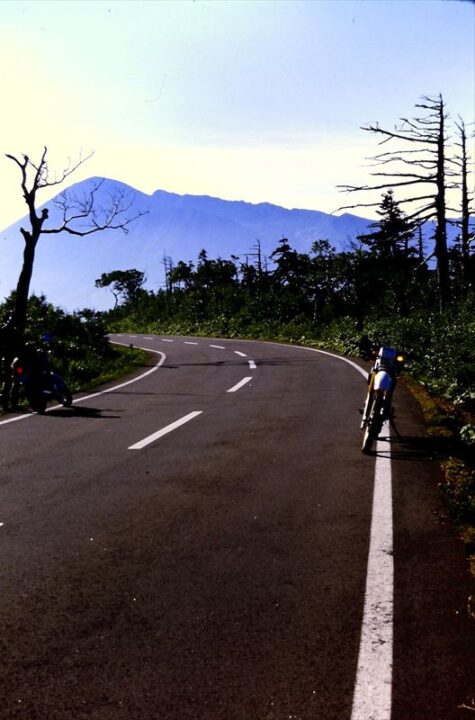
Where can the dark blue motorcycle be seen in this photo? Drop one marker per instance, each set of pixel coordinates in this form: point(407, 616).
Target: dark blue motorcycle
point(40, 382)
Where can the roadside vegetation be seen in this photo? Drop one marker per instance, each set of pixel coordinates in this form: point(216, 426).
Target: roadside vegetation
point(77, 344)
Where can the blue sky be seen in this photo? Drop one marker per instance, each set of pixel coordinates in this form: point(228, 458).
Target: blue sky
point(259, 100)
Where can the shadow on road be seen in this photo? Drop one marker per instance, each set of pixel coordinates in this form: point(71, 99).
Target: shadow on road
point(217, 363)
point(87, 412)
point(412, 447)
point(130, 392)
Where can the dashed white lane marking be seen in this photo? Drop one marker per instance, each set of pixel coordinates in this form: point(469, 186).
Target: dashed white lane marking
point(189, 342)
point(218, 347)
point(167, 340)
point(164, 431)
point(239, 385)
point(241, 354)
point(373, 690)
point(252, 365)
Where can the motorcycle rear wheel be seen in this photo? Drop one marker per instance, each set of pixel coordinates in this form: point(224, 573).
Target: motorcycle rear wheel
point(37, 403)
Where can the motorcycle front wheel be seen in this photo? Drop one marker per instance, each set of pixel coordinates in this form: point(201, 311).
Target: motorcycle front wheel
point(373, 426)
point(60, 390)
point(367, 409)
point(64, 397)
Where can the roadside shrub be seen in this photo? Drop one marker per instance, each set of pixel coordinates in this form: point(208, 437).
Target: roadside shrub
point(459, 488)
point(77, 342)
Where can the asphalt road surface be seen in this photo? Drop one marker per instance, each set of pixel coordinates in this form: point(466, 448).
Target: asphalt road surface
point(208, 542)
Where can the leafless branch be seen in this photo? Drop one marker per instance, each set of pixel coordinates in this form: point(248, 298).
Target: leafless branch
point(399, 135)
point(416, 199)
point(359, 205)
point(98, 218)
point(358, 188)
point(425, 164)
point(406, 152)
point(422, 214)
point(421, 178)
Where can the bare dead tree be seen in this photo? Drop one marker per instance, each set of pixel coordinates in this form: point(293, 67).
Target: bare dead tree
point(422, 163)
point(78, 216)
point(467, 235)
point(167, 263)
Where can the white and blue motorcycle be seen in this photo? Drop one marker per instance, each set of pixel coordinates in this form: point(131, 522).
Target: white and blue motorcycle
point(382, 379)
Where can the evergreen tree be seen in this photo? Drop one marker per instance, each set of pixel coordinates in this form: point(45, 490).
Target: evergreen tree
point(391, 261)
point(392, 234)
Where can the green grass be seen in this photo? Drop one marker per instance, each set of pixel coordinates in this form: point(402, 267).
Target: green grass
point(120, 362)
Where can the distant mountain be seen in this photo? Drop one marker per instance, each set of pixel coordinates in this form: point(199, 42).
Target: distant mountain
point(178, 226)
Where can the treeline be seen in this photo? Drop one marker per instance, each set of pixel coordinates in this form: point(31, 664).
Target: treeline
point(383, 286)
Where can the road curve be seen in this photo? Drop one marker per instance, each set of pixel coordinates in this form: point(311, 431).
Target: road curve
point(199, 543)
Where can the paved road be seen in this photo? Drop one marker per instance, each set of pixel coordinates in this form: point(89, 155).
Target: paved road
point(199, 544)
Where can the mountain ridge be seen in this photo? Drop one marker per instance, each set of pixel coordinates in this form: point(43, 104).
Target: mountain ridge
point(175, 226)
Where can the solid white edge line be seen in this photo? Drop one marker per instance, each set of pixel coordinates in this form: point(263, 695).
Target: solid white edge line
point(239, 385)
point(164, 431)
point(372, 696)
point(373, 688)
point(127, 382)
point(333, 355)
point(17, 418)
